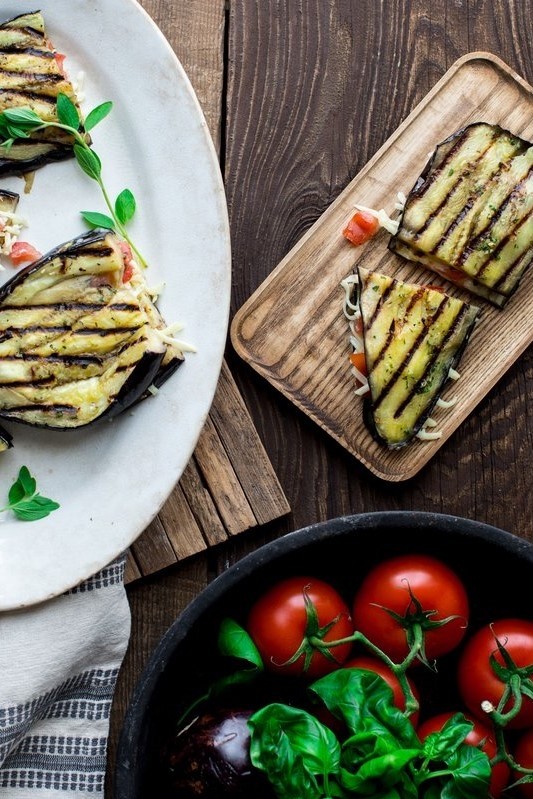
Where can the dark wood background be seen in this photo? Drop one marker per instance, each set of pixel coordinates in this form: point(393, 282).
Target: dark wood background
point(298, 95)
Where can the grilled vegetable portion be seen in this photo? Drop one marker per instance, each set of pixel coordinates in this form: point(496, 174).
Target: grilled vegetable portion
point(469, 217)
point(76, 341)
point(5, 440)
point(31, 76)
point(413, 336)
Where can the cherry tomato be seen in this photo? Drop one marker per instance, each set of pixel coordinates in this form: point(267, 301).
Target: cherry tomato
point(477, 680)
point(500, 772)
point(523, 755)
point(361, 227)
point(23, 252)
point(278, 622)
point(390, 585)
point(378, 667)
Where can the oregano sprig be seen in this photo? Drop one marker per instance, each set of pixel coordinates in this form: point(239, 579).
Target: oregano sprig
point(19, 123)
point(25, 501)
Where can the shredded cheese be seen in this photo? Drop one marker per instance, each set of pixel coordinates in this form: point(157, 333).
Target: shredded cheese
point(446, 403)
point(11, 225)
point(453, 374)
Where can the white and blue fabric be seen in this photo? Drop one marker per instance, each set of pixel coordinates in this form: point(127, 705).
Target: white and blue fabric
point(59, 663)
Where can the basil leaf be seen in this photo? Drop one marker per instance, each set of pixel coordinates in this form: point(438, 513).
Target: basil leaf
point(88, 161)
point(125, 206)
point(234, 641)
point(67, 113)
point(293, 748)
point(442, 744)
point(469, 774)
point(364, 701)
point(385, 770)
point(95, 219)
point(97, 114)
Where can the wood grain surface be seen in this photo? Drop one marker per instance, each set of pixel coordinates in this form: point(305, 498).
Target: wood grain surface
point(292, 329)
point(305, 92)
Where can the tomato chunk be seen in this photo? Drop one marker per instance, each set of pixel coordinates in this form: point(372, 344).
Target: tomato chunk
point(127, 256)
point(359, 361)
point(361, 227)
point(23, 252)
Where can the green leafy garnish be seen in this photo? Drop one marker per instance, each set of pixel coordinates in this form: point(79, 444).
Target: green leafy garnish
point(24, 500)
point(19, 123)
point(379, 755)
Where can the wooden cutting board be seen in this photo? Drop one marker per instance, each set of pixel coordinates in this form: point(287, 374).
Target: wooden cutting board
point(293, 331)
point(228, 487)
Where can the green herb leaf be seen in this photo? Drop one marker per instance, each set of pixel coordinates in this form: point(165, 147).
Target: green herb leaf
point(24, 500)
point(234, 641)
point(364, 702)
point(23, 118)
point(96, 219)
point(88, 161)
point(469, 774)
point(97, 115)
point(442, 744)
point(67, 112)
point(125, 206)
point(293, 748)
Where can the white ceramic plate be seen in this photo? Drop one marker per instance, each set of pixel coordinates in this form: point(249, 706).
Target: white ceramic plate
point(112, 479)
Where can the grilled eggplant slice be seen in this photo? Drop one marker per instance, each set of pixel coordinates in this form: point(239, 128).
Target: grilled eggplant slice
point(413, 336)
point(5, 440)
point(77, 343)
point(31, 76)
point(469, 216)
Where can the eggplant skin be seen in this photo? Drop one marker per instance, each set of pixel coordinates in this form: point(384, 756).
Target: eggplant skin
point(6, 440)
point(77, 343)
point(413, 336)
point(31, 77)
point(469, 216)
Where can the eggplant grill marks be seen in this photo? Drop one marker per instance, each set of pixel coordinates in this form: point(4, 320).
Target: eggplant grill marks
point(31, 76)
point(76, 343)
point(469, 217)
point(413, 336)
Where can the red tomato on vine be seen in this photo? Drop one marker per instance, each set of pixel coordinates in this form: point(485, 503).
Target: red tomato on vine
point(417, 589)
point(291, 620)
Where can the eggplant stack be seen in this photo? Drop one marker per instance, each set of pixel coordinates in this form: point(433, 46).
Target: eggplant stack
point(469, 217)
point(413, 336)
point(80, 337)
point(31, 76)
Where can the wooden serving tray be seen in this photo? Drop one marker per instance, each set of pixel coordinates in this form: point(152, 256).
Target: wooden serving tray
point(292, 329)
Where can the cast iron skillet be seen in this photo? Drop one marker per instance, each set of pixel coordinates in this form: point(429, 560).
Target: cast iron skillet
point(496, 567)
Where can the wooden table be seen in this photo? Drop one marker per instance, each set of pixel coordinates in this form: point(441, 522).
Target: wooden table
point(298, 95)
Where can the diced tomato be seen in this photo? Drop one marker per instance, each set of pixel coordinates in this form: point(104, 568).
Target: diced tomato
point(358, 325)
point(361, 227)
point(359, 361)
point(60, 60)
point(23, 252)
point(127, 255)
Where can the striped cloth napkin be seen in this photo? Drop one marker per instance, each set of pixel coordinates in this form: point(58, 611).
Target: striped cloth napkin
point(59, 663)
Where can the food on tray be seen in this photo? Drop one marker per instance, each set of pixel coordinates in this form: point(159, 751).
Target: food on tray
point(80, 337)
point(469, 216)
point(32, 76)
point(412, 337)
